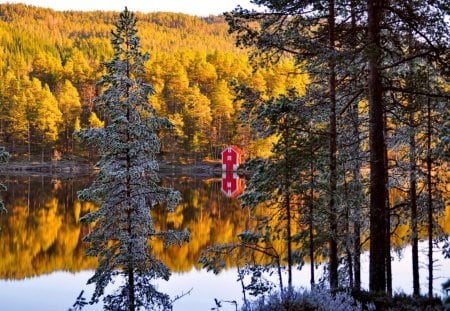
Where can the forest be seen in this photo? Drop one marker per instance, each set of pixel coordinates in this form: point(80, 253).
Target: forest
point(342, 108)
point(51, 62)
point(361, 151)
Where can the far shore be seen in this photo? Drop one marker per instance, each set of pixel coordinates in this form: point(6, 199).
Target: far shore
point(79, 168)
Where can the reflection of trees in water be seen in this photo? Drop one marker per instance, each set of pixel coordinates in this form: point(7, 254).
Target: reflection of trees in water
point(41, 234)
point(208, 215)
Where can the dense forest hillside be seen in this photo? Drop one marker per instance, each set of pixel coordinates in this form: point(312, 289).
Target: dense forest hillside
point(51, 62)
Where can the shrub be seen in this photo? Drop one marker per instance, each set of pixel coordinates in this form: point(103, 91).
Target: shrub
point(304, 300)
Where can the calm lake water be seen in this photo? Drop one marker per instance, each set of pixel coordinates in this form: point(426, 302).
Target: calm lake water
point(43, 267)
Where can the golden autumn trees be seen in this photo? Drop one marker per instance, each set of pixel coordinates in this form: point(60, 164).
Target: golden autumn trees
point(70, 106)
point(192, 63)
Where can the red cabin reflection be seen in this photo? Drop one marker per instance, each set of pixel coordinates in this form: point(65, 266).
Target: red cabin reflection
point(232, 184)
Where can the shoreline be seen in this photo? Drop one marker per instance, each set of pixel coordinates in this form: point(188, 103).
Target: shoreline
point(74, 168)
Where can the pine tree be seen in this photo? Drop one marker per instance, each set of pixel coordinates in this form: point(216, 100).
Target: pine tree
point(279, 192)
point(309, 33)
point(126, 187)
point(361, 52)
point(70, 106)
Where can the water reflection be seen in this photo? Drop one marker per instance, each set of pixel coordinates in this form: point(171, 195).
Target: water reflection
point(41, 237)
point(232, 184)
point(41, 231)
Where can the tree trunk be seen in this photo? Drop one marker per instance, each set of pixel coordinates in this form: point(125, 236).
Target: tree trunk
point(131, 289)
point(289, 241)
point(377, 188)
point(387, 247)
point(287, 202)
point(334, 262)
point(311, 223)
point(348, 239)
point(429, 204)
point(356, 176)
point(413, 204)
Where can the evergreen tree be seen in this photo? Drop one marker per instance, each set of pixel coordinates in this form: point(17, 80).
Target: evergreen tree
point(276, 178)
point(126, 187)
point(70, 107)
point(308, 31)
point(352, 50)
point(196, 120)
point(279, 192)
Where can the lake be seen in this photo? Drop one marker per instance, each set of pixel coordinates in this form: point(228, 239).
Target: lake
point(43, 266)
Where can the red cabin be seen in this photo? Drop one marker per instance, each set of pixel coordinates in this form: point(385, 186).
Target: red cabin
point(232, 184)
point(232, 157)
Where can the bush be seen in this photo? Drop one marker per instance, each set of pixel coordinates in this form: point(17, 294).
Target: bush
point(322, 300)
point(314, 300)
point(398, 302)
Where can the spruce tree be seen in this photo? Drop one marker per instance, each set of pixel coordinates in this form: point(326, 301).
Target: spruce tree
point(126, 186)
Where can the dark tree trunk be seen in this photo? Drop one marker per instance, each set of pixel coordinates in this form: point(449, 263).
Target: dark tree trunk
point(387, 213)
point(357, 254)
point(289, 241)
point(413, 204)
point(287, 202)
point(334, 262)
point(348, 240)
point(429, 204)
point(131, 289)
point(356, 176)
point(311, 223)
point(377, 188)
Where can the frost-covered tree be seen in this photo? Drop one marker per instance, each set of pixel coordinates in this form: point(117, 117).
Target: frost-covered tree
point(126, 187)
point(313, 34)
point(281, 183)
point(352, 50)
point(282, 192)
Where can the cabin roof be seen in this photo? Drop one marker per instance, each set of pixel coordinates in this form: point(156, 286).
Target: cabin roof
point(235, 148)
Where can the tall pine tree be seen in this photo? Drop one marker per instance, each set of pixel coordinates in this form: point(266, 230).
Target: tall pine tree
point(353, 50)
point(126, 187)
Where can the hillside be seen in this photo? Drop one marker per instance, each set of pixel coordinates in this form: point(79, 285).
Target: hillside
point(51, 61)
point(33, 28)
